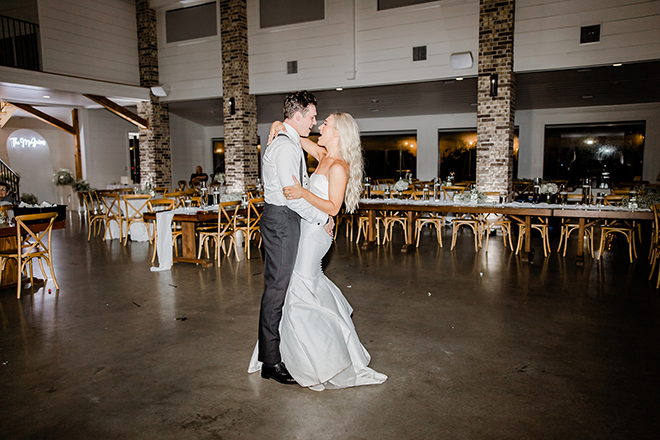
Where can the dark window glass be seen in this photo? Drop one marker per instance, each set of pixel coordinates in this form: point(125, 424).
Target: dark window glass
point(458, 154)
point(218, 156)
point(614, 152)
point(390, 155)
point(134, 150)
point(282, 12)
point(191, 23)
point(391, 4)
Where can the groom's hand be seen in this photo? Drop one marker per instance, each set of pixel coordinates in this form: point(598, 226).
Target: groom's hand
point(329, 226)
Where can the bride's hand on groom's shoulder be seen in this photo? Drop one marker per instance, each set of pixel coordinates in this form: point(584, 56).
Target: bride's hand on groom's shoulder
point(275, 128)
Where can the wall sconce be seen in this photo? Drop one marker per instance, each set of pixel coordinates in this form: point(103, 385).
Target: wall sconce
point(493, 84)
point(232, 106)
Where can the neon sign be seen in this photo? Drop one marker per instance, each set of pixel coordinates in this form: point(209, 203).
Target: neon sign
point(24, 139)
point(26, 142)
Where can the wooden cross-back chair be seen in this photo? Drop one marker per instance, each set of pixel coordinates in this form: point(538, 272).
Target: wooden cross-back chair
point(655, 244)
point(248, 224)
point(112, 213)
point(133, 211)
point(223, 230)
point(94, 212)
point(619, 227)
point(31, 244)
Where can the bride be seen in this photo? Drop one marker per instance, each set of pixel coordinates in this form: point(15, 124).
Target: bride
point(319, 344)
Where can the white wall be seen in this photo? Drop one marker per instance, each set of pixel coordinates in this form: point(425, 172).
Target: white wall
point(357, 41)
point(547, 32)
point(189, 147)
point(191, 69)
point(61, 151)
point(94, 39)
point(105, 147)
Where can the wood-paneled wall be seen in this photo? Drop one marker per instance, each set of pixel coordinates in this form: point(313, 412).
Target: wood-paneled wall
point(94, 39)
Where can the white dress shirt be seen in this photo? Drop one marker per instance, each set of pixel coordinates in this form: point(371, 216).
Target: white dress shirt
point(282, 161)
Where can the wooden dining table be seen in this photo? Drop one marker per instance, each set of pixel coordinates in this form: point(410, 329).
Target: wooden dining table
point(521, 212)
point(189, 222)
point(8, 241)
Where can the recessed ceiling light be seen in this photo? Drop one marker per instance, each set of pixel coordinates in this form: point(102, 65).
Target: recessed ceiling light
point(474, 104)
point(459, 79)
point(617, 64)
point(47, 96)
point(374, 110)
point(587, 96)
point(339, 89)
point(375, 101)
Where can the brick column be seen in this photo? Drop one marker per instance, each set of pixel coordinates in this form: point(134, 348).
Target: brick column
point(495, 114)
point(155, 153)
point(240, 108)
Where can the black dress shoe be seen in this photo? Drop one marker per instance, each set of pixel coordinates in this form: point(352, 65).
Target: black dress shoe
point(277, 372)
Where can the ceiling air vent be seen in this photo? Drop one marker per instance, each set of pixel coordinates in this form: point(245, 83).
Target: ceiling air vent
point(590, 34)
point(291, 67)
point(419, 53)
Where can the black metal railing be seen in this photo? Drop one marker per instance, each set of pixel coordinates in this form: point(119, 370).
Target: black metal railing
point(19, 43)
point(10, 178)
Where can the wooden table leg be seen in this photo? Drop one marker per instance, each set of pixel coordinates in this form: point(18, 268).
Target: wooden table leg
point(528, 253)
point(410, 228)
point(580, 249)
point(189, 248)
point(371, 230)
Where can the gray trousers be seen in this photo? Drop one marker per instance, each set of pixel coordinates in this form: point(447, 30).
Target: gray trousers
point(280, 231)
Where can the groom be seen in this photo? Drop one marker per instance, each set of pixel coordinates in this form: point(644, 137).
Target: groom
point(280, 225)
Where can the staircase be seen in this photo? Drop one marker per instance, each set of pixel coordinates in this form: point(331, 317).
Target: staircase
point(10, 178)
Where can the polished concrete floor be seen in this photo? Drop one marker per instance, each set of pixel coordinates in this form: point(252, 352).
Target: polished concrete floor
point(476, 346)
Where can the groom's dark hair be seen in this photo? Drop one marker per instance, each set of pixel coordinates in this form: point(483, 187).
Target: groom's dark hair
point(298, 102)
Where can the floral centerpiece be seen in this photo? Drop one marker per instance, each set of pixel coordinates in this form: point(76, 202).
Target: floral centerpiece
point(147, 187)
point(63, 177)
point(401, 185)
point(549, 188)
point(80, 186)
point(473, 197)
point(647, 196)
point(220, 178)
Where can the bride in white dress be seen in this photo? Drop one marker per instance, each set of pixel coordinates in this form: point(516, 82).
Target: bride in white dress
point(319, 344)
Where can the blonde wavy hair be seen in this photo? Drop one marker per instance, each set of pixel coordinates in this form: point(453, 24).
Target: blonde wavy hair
point(350, 149)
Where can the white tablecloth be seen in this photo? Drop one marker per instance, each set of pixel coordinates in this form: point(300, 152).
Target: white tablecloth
point(138, 231)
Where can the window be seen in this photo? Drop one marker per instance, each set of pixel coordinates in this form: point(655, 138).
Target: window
point(391, 4)
point(191, 23)
point(457, 153)
point(218, 156)
point(283, 12)
point(612, 152)
point(390, 155)
point(134, 153)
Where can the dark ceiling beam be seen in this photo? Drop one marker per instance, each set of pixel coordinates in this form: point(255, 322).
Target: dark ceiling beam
point(44, 117)
point(119, 111)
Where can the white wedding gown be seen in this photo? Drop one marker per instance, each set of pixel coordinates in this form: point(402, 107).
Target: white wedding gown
point(319, 344)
